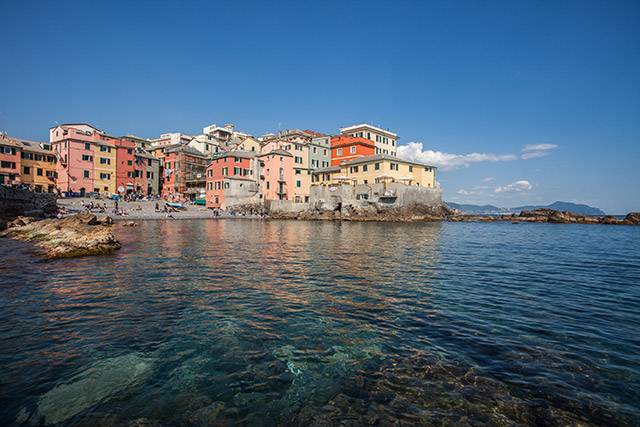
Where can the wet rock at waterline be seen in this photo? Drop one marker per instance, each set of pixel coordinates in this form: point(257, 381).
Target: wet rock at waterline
point(73, 236)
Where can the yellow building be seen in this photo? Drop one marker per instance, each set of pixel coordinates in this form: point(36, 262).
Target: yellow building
point(376, 169)
point(249, 144)
point(104, 164)
point(38, 166)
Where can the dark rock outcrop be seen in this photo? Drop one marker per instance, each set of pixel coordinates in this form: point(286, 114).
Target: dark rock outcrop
point(548, 215)
point(17, 202)
point(369, 212)
point(632, 218)
point(73, 236)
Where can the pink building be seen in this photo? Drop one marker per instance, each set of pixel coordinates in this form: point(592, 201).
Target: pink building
point(276, 175)
point(9, 161)
point(231, 175)
point(75, 145)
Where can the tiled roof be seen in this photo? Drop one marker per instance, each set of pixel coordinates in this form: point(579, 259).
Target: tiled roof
point(378, 157)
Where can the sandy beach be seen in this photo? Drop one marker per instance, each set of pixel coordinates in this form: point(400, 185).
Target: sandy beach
point(139, 210)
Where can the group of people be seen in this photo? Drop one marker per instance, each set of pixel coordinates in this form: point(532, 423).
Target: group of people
point(91, 206)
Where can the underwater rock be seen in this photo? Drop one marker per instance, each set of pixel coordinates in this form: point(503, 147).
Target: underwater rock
point(207, 415)
point(98, 383)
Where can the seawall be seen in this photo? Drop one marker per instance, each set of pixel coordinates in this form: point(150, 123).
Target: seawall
point(16, 202)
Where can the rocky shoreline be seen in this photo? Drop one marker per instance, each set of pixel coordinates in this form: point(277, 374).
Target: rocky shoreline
point(77, 235)
point(444, 213)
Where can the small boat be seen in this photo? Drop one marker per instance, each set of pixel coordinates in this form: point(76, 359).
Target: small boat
point(175, 205)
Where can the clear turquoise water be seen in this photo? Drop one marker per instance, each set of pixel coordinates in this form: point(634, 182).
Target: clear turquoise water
point(210, 322)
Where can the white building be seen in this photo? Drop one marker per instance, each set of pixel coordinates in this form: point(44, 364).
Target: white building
point(384, 140)
point(170, 139)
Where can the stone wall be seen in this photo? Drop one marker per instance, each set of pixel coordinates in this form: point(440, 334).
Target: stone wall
point(15, 202)
point(383, 196)
point(285, 206)
point(241, 193)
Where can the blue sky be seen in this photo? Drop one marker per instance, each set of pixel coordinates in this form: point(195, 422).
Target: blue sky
point(475, 83)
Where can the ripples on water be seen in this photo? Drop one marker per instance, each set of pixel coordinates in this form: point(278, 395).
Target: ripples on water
point(317, 323)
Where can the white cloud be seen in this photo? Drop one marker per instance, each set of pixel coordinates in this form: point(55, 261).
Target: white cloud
point(464, 192)
point(514, 187)
point(489, 179)
point(531, 151)
point(414, 151)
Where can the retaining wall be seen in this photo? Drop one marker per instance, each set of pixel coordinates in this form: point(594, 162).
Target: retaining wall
point(15, 202)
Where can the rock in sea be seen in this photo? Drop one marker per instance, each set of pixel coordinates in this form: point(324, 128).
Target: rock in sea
point(73, 236)
point(100, 382)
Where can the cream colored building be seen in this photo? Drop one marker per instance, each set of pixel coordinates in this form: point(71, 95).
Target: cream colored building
point(377, 169)
point(385, 141)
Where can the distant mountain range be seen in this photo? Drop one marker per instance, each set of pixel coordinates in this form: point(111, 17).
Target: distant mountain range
point(495, 210)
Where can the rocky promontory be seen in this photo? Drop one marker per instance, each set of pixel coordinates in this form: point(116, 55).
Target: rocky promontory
point(548, 215)
point(77, 235)
point(421, 213)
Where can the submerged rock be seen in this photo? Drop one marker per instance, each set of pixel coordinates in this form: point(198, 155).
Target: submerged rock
point(100, 382)
point(77, 235)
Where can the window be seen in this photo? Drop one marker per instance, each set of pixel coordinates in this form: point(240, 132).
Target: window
point(210, 185)
point(298, 184)
point(267, 185)
point(86, 174)
point(410, 168)
point(352, 149)
point(129, 162)
point(26, 170)
point(365, 168)
point(87, 146)
point(298, 160)
point(338, 151)
point(105, 176)
point(105, 149)
point(105, 161)
point(129, 151)
point(225, 171)
point(353, 169)
point(149, 162)
point(394, 166)
point(376, 166)
point(315, 150)
point(87, 158)
point(39, 172)
point(237, 171)
point(297, 171)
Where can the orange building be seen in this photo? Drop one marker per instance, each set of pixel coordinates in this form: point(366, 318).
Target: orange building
point(345, 148)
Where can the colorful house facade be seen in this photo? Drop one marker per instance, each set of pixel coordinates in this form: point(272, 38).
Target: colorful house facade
point(231, 178)
point(184, 173)
point(345, 148)
point(385, 141)
point(9, 161)
point(376, 169)
point(276, 175)
point(38, 166)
